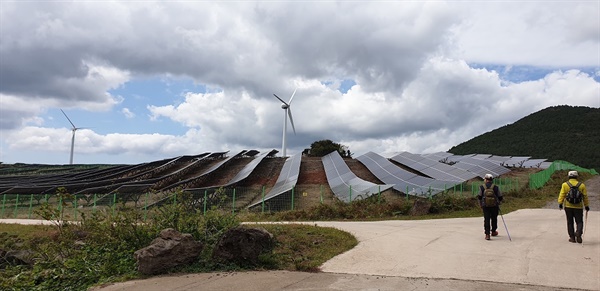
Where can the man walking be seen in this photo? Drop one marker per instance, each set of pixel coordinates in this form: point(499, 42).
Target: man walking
point(489, 199)
point(574, 196)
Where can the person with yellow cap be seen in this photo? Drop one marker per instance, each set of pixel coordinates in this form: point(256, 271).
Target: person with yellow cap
point(574, 205)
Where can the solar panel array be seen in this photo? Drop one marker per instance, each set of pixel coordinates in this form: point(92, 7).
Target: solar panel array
point(477, 166)
point(403, 180)
point(433, 168)
point(344, 184)
point(288, 176)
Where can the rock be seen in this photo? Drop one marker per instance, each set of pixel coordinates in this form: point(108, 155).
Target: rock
point(16, 257)
point(243, 245)
point(420, 207)
point(169, 250)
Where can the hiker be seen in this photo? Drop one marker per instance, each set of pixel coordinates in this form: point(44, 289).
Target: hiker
point(573, 204)
point(489, 200)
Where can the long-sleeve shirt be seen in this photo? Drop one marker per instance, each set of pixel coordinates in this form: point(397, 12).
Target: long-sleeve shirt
point(565, 189)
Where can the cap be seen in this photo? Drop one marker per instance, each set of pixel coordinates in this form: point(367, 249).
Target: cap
point(489, 177)
point(573, 174)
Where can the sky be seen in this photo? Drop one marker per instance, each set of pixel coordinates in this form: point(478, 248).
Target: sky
point(147, 81)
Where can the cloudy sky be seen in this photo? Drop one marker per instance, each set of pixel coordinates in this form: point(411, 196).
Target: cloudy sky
point(148, 81)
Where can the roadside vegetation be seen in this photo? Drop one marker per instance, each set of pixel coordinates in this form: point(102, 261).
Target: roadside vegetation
point(99, 249)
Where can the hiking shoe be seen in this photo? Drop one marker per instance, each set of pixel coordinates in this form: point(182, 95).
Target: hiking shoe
point(494, 233)
point(487, 237)
point(572, 239)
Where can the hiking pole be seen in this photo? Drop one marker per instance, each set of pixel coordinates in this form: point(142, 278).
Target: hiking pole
point(500, 210)
point(584, 228)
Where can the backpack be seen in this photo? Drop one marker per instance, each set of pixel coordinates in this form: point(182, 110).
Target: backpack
point(574, 196)
point(489, 197)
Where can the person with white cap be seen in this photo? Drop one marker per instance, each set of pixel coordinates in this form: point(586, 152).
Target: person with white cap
point(489, 200)
point(574, 205)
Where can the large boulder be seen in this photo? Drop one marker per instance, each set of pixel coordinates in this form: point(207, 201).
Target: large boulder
point(169, 250)
point(16, 257)
point(243, 245)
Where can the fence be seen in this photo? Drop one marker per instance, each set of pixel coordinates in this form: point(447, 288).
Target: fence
point(539, 179)
point(25, 206)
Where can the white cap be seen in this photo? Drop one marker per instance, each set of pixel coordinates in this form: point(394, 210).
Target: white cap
point(573, 174)
point(489, 176)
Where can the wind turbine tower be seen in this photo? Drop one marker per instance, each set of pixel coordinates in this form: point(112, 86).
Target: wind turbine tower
point(286, 113)
point(73, 129)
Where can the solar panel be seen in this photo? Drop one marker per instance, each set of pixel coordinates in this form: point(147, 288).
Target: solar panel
point(432, 167)
point(402, 180)
point(247, 170)
point(287, 179)
point(344, 183)
point(481, 167)
point(498, 159)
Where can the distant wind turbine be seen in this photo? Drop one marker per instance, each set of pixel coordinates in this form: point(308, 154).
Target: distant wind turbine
point(287, 112)
point(73, 129)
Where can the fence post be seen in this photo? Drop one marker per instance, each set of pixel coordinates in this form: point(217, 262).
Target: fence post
point(114, 203)
point(321, 193)
point(16, 206)
point(146, 206)
point(350, 193)
point(3, 204)
point(30, 205)
point(60, 209)
point(94, 207)
point(233, 203)
point(75, 206)
point(263, 200)
point(379, 194)
point(293, 188)
point(205, 194)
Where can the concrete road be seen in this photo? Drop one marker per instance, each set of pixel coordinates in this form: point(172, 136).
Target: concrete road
point(445, 254)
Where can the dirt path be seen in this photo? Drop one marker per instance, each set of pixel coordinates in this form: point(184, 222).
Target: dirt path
point(593, 190)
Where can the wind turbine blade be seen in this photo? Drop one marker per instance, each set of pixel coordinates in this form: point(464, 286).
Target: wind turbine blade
point(290, 102)
point(68, 118)
point(280, 99)
point(291, 120)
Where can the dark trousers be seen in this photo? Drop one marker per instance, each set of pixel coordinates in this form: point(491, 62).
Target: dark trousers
point(574, 214)
point(490, 219)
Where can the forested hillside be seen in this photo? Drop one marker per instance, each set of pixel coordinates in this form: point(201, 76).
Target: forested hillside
point(555, 133)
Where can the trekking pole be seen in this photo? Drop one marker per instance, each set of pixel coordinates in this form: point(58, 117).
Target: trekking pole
point(584, 228)
point(500, 210)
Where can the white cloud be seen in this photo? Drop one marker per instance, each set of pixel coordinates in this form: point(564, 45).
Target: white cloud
point(416, 88)
point(127, 113)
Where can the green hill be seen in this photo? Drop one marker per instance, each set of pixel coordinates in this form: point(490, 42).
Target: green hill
point(556, 133)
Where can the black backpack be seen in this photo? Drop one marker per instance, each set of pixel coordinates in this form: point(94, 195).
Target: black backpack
point(574, 196)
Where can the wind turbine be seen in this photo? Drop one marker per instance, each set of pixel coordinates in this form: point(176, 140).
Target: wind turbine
point(73, 129)
point(287, 112)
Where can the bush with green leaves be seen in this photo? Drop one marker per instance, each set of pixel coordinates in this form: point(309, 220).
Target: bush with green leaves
point(100, 247)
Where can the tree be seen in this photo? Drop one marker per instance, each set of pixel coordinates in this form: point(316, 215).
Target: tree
point(326, 146)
